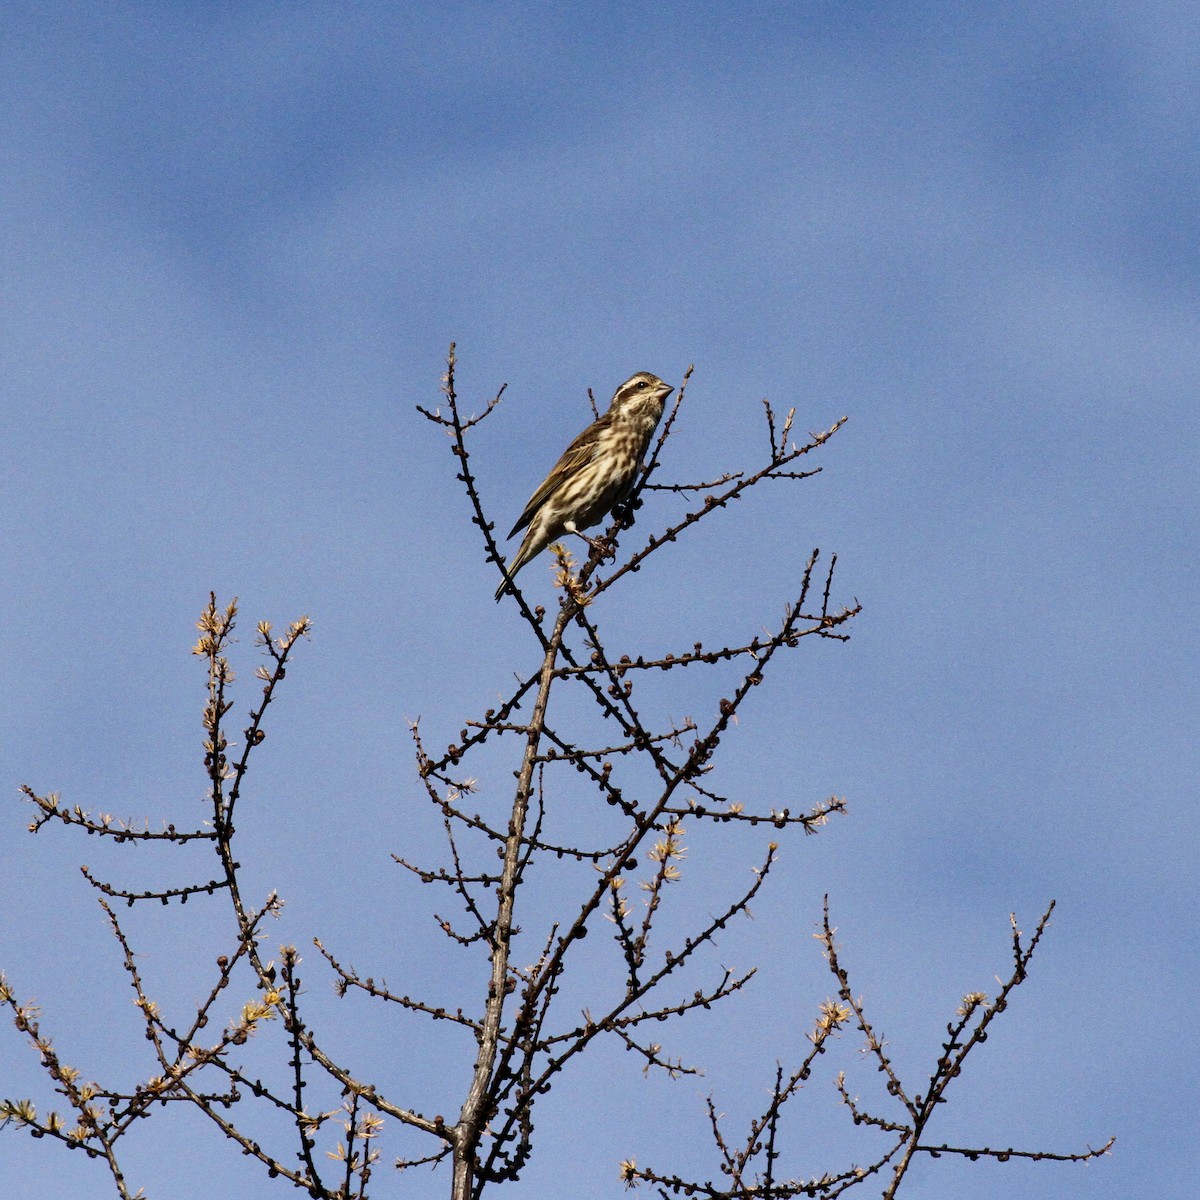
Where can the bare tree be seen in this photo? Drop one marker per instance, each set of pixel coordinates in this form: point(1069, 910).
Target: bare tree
point(654, 782)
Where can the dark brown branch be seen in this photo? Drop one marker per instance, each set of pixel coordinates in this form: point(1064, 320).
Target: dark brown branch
point(164, 896)
point(104, 826)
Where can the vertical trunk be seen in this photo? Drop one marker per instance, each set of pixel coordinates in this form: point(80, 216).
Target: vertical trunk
point(464, 1173)
point(469, 1129)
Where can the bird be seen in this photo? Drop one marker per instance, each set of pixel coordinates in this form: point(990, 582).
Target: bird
point(596, 472)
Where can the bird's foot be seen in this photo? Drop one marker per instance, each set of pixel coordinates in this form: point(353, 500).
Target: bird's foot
point(602, 548)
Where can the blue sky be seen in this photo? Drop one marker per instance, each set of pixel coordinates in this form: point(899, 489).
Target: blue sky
point(237, 240)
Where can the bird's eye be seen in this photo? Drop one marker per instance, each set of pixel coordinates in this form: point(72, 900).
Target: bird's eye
point(642, 383)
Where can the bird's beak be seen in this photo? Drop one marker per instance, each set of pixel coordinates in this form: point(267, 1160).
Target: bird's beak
point(665, 391)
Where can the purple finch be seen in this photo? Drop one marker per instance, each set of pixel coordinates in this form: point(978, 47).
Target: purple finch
point(596, 472)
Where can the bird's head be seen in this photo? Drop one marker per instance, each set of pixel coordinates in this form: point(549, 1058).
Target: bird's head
point(642, 392)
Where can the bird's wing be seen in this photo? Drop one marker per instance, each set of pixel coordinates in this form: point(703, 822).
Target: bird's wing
point(579, 452)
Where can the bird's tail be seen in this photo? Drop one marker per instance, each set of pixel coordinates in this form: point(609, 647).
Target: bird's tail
point(506, 583)
point(530, 548)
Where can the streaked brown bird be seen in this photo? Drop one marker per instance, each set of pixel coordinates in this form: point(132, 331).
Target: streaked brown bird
point(596, 472)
